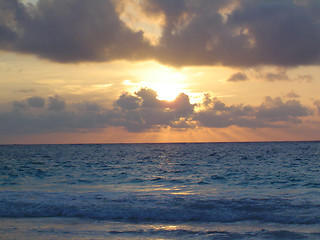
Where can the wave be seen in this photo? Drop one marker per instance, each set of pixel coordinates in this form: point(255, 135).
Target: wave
point(262, 234)
point(134, 207)
point(72, 228)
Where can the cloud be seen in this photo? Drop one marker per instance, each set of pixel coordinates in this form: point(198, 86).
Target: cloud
point(317, 104)
point(224, 32)
point(26, 90)
point(68, 31)
point(56, 103)
point(273, 112)
point(148, 97)
point(292, 94)
point(137, 112)
point(248, 34)
point(36, 102)
point(171, 9)
point(278, 74)
point(218, 115)
point(281, 75)
point(128, 102)
point(181, 105)
point(238, 77)
point(87, 107)
point(307, 78)
point(289, 34)
point(276, 110)
point(142, 111)
point(19, 105)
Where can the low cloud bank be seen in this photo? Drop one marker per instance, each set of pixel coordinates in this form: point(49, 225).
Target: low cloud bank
point(142, 111)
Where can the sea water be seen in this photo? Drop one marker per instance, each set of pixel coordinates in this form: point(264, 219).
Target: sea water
point(160, 191)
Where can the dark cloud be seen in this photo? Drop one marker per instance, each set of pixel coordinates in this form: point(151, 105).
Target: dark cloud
point(149, 98)
point(79, 117)
point(132, 112)
point(181, 105)
point(19, 105)
point(68, 31)
point(218, 115)
point(128, 102)
point(227, 32)
point(281, 75)
point(317, 104)
point(238, 77)
point(143, 111)
point(254, 33)
point(284, 32)
point(36, 102)
point(88, 107)
point(276, 110)
point(137, 112)
point(273, 112)
point(171, 9)
point(56, 103)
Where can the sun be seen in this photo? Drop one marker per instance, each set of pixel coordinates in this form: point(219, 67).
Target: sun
point(167, 91)
point(167, 82)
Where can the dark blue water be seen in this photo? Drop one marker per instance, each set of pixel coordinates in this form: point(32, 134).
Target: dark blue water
point(167, 191)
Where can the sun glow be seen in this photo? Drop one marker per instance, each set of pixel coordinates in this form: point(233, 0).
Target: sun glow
point(167, 91)
point(167, 82)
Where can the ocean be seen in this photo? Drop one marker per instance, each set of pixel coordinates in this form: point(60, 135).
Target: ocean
point(267, 190)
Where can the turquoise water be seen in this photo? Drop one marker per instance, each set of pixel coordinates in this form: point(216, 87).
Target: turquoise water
point(161, 191)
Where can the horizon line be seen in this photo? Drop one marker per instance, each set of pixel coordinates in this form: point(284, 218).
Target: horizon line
point(128, 143)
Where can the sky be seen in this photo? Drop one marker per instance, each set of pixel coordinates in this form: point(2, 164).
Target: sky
point(125, 71)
